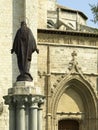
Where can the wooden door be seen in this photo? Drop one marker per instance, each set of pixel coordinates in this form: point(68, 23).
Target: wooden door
point(68, 125)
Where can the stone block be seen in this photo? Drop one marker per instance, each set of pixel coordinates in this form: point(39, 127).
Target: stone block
point(24, 88)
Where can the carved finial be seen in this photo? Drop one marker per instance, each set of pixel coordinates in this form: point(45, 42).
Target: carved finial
point(74, 54)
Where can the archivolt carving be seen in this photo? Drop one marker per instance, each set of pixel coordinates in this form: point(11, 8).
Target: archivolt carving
point(85, 91)
point(74, 72)
point(84, 88)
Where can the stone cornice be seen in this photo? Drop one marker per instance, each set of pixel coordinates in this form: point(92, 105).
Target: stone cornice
point(72, 33)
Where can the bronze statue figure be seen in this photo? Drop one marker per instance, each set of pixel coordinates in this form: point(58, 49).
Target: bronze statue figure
point(24, 45)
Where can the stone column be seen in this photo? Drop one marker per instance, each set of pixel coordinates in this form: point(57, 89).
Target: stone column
point(20, 116)
point(27, 116)
point(40, 119)
point(9, 101)
point(11, 117)
point(33, 115)
point(23, 104)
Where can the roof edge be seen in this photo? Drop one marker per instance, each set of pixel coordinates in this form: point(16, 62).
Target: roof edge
point(72, 10)
point(73, 33)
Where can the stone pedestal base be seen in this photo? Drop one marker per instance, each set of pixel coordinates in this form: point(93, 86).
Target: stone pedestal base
point(24, 102)
point(24, 87)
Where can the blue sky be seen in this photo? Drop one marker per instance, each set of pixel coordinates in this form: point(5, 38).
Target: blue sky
point(81, 5)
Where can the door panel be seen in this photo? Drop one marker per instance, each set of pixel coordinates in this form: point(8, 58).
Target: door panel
point(68, 125)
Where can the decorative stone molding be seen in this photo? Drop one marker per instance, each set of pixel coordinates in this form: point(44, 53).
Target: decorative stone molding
point(42, 74)
point(70, 113)
point(24, 92)
point(75, 71)
point(24, 99)
point(74, 79)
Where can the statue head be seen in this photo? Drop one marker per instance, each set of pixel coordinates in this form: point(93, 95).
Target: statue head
point(23, 24)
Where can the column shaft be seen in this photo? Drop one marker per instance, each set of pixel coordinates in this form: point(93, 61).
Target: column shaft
point(40, 119)
point(11, 117)
point(27, 118)
point(20, 119)
point(33, 117)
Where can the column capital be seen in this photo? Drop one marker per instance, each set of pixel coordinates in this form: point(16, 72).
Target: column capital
point(41, 102)
point(37, 99)
point(8, 99)
point(24, 99)
point(12, 100)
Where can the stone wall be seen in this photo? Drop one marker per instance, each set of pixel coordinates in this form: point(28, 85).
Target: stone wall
point(42, 14)
point(61, 48)
point(51, 5)
point(53, 62)
point(5, 56)
point(70, 19)
point(81, 20)
point(31, 13)
point(5, 44)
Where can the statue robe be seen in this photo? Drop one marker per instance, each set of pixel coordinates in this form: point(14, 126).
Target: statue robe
point(24, 45)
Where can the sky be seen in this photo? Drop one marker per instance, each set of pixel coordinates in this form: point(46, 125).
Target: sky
point(83, 6)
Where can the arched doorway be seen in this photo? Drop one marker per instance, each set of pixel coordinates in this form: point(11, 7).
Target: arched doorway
point(68, 125)
point(78, 87)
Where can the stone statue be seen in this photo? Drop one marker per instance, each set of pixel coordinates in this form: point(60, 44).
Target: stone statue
point(24, 45)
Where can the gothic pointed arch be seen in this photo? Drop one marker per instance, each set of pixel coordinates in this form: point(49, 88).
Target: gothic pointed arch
point(76, 81)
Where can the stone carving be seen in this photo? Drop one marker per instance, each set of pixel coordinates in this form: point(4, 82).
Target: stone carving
point(41, 74)
point(24, 99)
point(73, 64)
point(24, 45)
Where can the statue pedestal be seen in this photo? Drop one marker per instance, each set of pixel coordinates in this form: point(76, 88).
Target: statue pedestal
point(24, 87)
point(24, 102)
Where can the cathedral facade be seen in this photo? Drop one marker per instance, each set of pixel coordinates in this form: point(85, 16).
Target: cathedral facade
point(66, 68)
